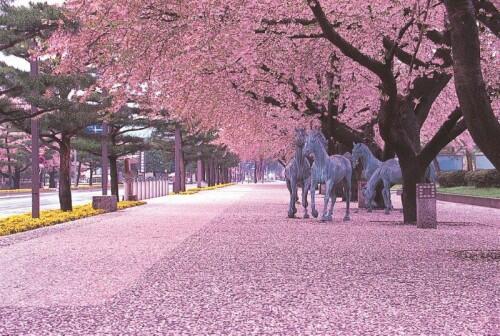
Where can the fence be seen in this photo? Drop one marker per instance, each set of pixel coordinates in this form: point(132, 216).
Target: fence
point(141, 188)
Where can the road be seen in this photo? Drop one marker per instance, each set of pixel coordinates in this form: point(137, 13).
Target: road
point(21, 203)
point(15, 204)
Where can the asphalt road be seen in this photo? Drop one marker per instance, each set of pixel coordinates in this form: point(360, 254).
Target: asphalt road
point(15, 204)
point(21, 203)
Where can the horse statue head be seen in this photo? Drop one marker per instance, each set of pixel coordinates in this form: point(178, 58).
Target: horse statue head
point(314, 139)
point(358, 150)
point(300, 137)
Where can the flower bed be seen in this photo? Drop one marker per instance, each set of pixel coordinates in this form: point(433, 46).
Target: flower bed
point(129, 204)
point(24, 222)
point(197, 190)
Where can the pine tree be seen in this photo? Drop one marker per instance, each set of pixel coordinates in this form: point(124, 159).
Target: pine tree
point(49, 92)
point(126, 129)
point(20, 28)
point(14, 154)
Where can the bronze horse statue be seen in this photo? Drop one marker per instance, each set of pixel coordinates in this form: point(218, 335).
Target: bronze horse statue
point(330, 170)
point(298, 174)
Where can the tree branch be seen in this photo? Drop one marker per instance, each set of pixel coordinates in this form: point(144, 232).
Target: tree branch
point(488, 14)
point(345, 47)
point(451, 128)
point(401, 54)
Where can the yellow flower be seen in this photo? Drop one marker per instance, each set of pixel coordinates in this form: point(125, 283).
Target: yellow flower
point(24, 222)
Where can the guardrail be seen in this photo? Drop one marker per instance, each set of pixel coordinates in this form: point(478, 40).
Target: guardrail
point(138, 189)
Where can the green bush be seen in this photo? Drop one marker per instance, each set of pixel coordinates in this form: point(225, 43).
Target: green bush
point(483, 178)
point(452, 179)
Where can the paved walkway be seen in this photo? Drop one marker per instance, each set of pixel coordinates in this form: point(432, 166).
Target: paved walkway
point(229, 262)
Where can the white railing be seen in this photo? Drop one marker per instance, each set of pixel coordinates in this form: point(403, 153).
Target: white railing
point(140, 188)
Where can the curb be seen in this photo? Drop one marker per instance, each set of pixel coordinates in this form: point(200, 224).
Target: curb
point(487, 202)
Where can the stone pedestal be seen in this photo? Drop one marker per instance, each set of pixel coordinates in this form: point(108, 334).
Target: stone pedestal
point(106, 203)
point(361, 196)
point(426, 206)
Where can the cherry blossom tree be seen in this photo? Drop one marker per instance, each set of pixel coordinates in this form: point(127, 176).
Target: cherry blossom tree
point(255, 70)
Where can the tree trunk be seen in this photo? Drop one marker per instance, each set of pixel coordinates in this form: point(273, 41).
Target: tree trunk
point(469, 83)
point(65, 201)
point(43, 175)
point(203, 173)
point(470, 160)
point(217, 173)
point(78, 173)
point(113, 172)
point(212, 172)
point(91, 175)
point(199, 173)
point(408, 197)
point(9, 163)
point(206, 171)
point(183, 172)
point(255, 172)
point(16, 178)
point(52, 178)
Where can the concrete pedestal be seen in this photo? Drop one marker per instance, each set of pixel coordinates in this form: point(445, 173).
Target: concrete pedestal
point(106, 203)
point(426, 206)
point(361, 197)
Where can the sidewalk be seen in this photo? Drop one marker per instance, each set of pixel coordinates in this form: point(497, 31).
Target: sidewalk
point(230, 262)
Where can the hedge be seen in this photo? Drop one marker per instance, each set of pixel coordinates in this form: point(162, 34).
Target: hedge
point(452, 179)
point(483, 178)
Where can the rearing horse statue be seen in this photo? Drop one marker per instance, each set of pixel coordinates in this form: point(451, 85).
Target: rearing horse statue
point(329, 170)
point(298, 174)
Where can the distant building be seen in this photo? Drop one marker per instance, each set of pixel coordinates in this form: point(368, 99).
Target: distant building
point(458, 161)
point(451, 162)
point(482, 162)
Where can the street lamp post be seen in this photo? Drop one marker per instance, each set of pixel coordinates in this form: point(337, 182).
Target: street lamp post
point(177, 158)
point(35, 149)
point(104, 158)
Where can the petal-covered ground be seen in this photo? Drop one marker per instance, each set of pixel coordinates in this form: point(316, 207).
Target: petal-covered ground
point(230, 262)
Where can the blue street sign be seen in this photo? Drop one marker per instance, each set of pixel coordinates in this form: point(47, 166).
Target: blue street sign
point(94, 129)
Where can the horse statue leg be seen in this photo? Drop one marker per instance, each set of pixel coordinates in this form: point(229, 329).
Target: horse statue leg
point(305, 189)
point(292, 188)
point(347, 195)
point(387, 196)
point(333, 196)
point(327, 215)
point(314, 184)
point(368, 200)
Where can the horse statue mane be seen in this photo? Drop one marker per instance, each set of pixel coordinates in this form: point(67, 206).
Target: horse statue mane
point(318, 136)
